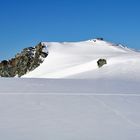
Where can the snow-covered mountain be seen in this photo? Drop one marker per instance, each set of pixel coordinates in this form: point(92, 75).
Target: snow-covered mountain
point(79, 60)
point(67, 96)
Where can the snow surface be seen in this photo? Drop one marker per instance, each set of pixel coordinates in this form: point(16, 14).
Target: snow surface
point(72, 109)
point(79, 60)
point(69, 98)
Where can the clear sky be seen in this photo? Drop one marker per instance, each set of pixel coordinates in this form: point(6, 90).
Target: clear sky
point(24, 23)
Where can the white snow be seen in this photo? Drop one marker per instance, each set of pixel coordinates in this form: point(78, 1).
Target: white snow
point(79, 60)
point(80, 101)
point(72, 109)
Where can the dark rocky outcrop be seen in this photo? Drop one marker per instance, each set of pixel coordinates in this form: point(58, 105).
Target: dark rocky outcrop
point(101, 62)
point(29, 59)
point(100, 38)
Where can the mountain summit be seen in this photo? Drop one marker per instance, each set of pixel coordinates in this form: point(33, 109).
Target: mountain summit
point(93, 58)
point(80, 60)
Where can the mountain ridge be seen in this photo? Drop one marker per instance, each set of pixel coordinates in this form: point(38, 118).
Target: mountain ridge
point(27, 60)
point(73, 60)
point(79, 60)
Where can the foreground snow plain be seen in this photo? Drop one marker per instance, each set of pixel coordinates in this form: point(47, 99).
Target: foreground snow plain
point(70, 109)
point(69, 98)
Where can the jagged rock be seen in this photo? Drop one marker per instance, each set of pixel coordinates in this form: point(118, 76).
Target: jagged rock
point(29, 59)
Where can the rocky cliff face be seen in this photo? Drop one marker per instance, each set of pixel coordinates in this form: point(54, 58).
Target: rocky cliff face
point(26, 61)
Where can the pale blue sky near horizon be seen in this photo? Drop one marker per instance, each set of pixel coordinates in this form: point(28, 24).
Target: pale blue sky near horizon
point(24, 23)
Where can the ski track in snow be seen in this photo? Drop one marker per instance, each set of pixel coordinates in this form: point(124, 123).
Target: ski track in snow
point(118, 113)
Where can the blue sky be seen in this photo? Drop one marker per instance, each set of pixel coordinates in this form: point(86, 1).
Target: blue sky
point(24, 23)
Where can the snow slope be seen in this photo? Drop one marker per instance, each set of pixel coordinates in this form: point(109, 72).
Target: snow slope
point(79, 60)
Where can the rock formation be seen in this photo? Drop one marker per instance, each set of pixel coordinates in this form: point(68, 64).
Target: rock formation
point(26, 61)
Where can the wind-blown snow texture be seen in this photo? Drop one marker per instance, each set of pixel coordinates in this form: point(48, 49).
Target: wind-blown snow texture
point(80, 101)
